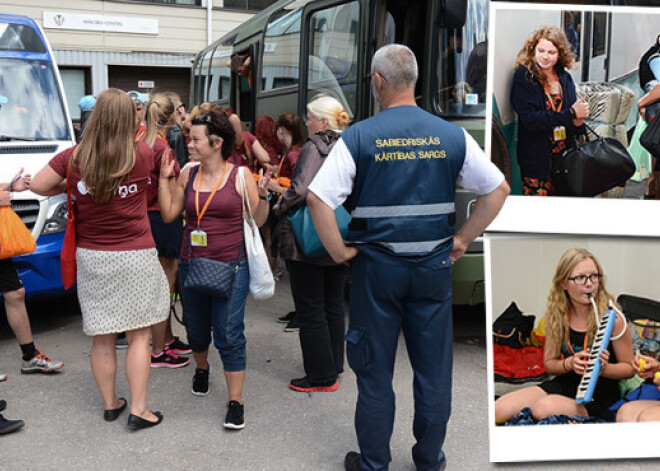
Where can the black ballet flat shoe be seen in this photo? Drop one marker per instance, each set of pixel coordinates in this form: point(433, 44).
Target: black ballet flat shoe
point(135, 422)
point(110, 415)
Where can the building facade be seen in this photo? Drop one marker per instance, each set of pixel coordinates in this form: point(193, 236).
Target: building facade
point(131, 44)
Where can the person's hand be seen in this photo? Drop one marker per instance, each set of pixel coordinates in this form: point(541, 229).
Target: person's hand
point(581, 108)
point(264, 179)
point(167, 166)
point(5, 198)
point(348, 253)
point(604, 360)
point(277, 208)
point(578, 362)
point(274, 186)
point(645, 366)
point(21, 182)
point(656, 379)
point(458, 249)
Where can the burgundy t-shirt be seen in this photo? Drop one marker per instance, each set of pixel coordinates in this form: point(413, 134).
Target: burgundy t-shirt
point(120, 224)
point(160, 148)
point(222, 222)
point(290, 160)
point(239, 157)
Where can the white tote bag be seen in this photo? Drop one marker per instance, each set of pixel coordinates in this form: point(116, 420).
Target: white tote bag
point(262, 283)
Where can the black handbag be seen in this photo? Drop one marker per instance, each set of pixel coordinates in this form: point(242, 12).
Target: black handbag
point(512, 328)
point(650, 138)
point(205, 275)
point(591, 168)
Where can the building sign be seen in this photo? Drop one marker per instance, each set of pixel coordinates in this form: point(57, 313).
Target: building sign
point(146, 84)
point(114, 24)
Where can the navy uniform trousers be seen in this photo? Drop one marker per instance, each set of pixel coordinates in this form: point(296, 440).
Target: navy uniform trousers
point(388, 294)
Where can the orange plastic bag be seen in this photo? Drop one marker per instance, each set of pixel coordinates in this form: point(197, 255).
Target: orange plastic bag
point(15, 238)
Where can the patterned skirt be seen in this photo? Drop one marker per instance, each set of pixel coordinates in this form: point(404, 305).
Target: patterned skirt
point(121, 290)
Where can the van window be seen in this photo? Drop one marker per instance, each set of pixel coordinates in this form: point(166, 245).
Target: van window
point(281, 54)
point(20, 38)
point(461, 66)
point(334, 46)
point(220, 75)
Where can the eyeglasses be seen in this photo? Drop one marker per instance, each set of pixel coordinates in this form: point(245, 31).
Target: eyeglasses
point(582, 279)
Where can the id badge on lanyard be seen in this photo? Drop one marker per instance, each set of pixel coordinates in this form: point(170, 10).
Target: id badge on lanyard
point(198, 238)
point(559, 133)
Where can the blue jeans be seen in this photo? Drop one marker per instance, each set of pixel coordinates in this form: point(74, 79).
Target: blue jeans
point(225, 317)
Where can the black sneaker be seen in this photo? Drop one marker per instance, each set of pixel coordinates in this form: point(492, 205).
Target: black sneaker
point(353, 461)
point(7, 426)
point(235, 416)
point(200, 385)
point(293, 325)
point(3, 405)
point(286, 318)
point(303, 385)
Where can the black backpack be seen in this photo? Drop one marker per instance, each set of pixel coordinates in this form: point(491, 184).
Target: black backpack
point(645, 73)
point(512, 328)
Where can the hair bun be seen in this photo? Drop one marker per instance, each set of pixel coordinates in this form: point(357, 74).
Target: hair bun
point(342, 117)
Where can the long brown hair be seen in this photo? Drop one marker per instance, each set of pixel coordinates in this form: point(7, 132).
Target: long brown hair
point(106, 153)
point(559, 302)
point(158, 117)
point(557, 37)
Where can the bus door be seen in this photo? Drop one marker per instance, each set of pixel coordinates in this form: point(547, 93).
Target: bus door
point(596, 46)
point(332, 61)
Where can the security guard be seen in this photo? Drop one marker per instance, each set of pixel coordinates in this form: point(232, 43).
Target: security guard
point(399, 171)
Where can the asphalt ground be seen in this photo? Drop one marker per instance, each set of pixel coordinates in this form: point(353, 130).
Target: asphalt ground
point(285, 430)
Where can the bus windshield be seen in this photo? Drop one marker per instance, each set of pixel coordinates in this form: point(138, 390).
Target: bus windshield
point(31, 107)
point(461, 66)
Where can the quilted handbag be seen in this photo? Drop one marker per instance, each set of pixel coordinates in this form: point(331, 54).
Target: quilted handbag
point(650, 138)
point(306, 236)
point(591, 168)
point(211, 277)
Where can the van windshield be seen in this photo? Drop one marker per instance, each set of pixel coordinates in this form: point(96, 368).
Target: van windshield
point(31, 107)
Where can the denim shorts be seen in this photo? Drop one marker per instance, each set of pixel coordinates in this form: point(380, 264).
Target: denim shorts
point(203, 314)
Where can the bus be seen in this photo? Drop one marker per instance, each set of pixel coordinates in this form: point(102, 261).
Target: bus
point(298, 49)
point(34, 126)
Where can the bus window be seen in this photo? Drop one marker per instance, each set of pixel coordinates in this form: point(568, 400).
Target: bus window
point(334, 46)
point(281, 51)
point(34, 109)
point(220, 86)
point(461, 67)
point(204, 79)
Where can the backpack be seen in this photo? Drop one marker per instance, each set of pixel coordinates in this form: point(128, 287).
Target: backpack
point(512, 328)
point(645, 73)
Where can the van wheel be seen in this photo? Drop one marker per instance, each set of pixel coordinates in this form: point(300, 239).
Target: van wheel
point(499, 153)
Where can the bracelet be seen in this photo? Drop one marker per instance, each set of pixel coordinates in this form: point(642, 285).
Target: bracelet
point(265, 198)
point(565, 369)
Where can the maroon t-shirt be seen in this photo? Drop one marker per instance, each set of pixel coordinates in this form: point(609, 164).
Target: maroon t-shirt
point(222, 222)
point(239, 156)
point(159, 149)
point(290, 160)
point(120, 224)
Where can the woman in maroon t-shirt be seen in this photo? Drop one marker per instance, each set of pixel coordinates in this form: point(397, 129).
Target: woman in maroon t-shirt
point(211, 195)
point(121, 285)
point(289, 129)
point(165, 347)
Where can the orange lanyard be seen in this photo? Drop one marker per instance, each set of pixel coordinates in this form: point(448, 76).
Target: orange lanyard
point(162, 138)
point(549, 95)
point(568, 340)
point(279, 167)
point(208, 201)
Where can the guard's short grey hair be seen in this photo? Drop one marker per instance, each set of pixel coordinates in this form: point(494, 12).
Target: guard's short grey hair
point(396, 63)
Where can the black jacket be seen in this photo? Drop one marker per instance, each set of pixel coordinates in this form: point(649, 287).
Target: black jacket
point(177, 141)
point(535, 122)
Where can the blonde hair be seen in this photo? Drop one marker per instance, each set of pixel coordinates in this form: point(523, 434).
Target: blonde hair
point(559, 302)
point(106, 153)
point(330, 109)
point(557, 37)
point(158, 117)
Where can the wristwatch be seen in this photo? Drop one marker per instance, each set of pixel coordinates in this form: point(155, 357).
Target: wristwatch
point(265, 198)
point(572, 111)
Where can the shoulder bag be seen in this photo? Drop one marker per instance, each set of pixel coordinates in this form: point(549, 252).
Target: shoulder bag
point(591, 168)
point(68, 254)
point(262, 283)
point(650, 137)
point(205, 275)
point(306, 236)
point(15, 237)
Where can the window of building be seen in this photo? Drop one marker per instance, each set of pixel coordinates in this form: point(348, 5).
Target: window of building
point(248, 4)
point(74, 81)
